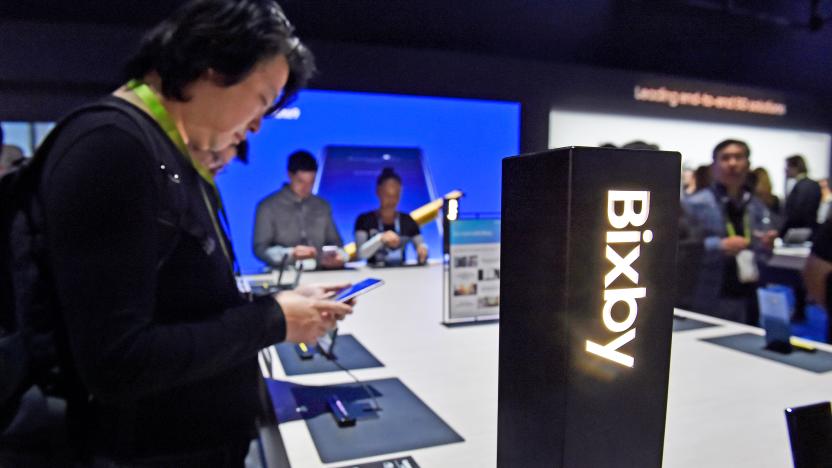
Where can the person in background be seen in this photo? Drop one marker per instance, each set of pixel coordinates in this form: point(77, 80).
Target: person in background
point(296, 225)
point(11, 156)
point(825, 200)
point(802, 196)
point(157, 341)
point(382, 235)
point(817, 273)
point(702, 176)
point(762, 190)
point(688, 181)
point(731, 226)
point(640, 145)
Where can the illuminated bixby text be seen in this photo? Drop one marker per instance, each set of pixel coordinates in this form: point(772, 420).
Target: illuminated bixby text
point(620, 237)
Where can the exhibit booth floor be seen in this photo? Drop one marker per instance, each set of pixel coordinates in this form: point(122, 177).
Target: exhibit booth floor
point(725, 404)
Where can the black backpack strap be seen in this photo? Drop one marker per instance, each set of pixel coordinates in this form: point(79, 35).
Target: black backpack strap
point(173, 213)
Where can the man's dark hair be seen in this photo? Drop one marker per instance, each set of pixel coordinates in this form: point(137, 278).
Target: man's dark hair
point(302, 160)
point(796, 161)
point(640, 145)
point(721, 146)
point(229, 37)
point(386, 174)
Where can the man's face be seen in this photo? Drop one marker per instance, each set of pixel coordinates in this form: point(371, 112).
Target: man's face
point(217, 117)
point(791, 172)
point(300, 183)
point(731, 166)
point(389, 193)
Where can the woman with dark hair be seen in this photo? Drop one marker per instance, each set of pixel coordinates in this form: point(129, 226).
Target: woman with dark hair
point(702, 177)
point(762, 189)
point(382, 235)
point(159, 344)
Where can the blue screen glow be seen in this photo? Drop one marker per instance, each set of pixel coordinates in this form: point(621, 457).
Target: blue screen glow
point(462, 143)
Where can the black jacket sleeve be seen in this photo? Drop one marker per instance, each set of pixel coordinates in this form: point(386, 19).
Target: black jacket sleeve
point(100, 205)
point(802, 205)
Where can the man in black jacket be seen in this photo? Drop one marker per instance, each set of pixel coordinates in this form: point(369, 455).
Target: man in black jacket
point(803, 200)
point(159, 344)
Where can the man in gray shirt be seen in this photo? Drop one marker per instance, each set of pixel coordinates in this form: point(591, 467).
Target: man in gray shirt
point(293, 223)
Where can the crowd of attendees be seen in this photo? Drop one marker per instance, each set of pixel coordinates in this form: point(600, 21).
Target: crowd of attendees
point(729, 222)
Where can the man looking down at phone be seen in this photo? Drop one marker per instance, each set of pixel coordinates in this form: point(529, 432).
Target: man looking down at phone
point(383, 234)
point(297, 225)
point(158, 344)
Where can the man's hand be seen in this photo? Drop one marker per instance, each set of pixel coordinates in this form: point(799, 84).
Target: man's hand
point(732, 245)
point(422, 253)
point(767, 239)
point(308, 318)
point(391, 239)
point(302, 252)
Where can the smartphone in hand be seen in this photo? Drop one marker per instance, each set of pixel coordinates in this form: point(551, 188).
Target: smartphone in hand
point(358, 289)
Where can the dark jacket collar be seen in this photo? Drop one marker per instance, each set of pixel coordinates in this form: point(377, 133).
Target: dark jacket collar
point(721, 193)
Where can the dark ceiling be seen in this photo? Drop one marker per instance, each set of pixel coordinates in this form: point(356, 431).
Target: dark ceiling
point(765, 43)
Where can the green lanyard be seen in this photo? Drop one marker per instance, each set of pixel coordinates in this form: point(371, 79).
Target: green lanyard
point(161, 116)
point(729, 226)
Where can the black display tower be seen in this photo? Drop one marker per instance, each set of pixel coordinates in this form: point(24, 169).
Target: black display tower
point(587, 289)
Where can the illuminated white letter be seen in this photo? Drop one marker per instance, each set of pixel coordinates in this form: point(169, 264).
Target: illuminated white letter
point(609, 351)
point(627, 296)
point(622, 265)
point(629, 216)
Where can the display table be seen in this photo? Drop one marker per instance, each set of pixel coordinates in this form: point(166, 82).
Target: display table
point(725, 407)
point(789, 258)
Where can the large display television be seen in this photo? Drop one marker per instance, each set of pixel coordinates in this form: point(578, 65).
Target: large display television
point(437, 144)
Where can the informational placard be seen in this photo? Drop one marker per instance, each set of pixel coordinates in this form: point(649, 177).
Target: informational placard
point(472, 283)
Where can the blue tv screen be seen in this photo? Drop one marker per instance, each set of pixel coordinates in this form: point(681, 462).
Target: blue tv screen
point(435, 144)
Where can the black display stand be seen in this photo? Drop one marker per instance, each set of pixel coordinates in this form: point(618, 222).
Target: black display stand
point(587, 291)
point(681, 324)
point(403, 422)
point(350, 352)
point(816, 361)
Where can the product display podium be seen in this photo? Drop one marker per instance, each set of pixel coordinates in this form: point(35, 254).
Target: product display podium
point(588, 265)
